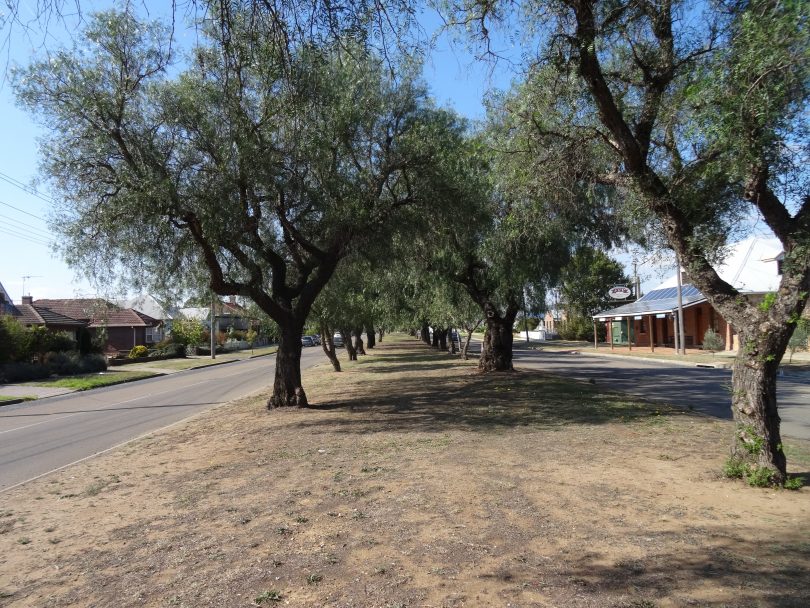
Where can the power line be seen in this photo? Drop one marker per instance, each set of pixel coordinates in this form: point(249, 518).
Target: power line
point(25, 237)
point(23, 211)
point(32, 191)
point(23, 225)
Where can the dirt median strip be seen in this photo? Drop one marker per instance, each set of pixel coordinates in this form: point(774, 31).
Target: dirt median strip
point(414, 482)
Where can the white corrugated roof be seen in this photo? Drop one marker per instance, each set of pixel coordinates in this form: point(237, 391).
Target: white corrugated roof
point(749, 266)
point(200, 314)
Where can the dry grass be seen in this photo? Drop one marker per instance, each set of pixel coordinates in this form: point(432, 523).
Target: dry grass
point(417, 482)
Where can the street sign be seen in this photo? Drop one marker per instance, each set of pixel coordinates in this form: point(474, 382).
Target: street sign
point(620, 292)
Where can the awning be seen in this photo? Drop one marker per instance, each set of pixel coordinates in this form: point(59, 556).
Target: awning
point(656, 302)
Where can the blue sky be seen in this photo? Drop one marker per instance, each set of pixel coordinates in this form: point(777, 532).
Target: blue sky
point(456, 80)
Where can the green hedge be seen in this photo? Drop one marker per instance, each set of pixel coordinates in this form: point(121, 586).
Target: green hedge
point(60, 364)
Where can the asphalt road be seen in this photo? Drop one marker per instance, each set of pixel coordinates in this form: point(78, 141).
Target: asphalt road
point(704, 389)
point(49, 434)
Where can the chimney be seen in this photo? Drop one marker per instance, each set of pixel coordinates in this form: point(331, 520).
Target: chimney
point(28, 300)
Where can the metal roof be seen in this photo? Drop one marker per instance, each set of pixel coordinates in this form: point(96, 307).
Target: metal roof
point(656, 302)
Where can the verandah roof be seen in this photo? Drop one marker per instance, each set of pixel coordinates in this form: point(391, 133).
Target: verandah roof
point(657, 301)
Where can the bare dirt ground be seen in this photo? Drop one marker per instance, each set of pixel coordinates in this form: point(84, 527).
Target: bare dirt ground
point(417, 483)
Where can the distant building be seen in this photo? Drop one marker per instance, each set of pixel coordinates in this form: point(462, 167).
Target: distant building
point(752, 266)
point(6, 305)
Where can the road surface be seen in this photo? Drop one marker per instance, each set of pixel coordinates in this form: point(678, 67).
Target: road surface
point(706, 390)
point(49, 434)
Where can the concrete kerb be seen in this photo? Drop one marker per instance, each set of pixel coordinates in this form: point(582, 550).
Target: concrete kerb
point(713, 365)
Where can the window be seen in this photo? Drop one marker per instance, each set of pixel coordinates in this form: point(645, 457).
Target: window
point(153, 334)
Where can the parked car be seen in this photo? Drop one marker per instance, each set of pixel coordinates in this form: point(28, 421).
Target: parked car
point(307, 341)
point(316, 339)
point(337, 340)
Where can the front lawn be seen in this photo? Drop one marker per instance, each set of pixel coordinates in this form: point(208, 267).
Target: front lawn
point(85, 382)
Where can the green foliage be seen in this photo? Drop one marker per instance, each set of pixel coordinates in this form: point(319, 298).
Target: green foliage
point(712, 341)
point(579, 328)
point(758, 477)
point(800, 340)
point(794, 483)
point(767, 301)
point(529, 323)
point(268, 596)
point(138, 351)
point(14, 340)
point(752, 441)
point(62, 364)
point(734, 468)
point(188, 332)
point(21, 344)
point(585, 282)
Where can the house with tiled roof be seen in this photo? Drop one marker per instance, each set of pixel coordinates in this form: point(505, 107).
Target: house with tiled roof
point(125, 327)
point(38, 316)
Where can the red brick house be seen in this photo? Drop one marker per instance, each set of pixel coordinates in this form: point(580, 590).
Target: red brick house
point(125, 327)
point(752, 266)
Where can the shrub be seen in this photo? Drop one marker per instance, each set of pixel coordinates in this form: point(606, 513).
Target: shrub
point(188, 332)
point(138, 351)
point(63, 364)
point(22, 372)
point(172, 350)
point(84, 341)
point(68, 364)
point(580, 328)
point(15, 342)
point(528, 322)
point(712, 341)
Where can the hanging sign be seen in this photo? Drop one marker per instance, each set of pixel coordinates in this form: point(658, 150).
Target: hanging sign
point(620, 292)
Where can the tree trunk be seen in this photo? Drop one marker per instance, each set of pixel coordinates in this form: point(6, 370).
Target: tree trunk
point(287, 389)
point(425, 333)
point(358, 341)
point(442, 339)
point(466, 346)
point(434, 342)
point(757, 440)
point(328, 346)
point(382, 333)
point(496, 350)
point(346, 334)
point(371, 336)
point(452, 348)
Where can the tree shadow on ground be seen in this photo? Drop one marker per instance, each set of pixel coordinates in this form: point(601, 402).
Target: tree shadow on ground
point(772, 573)
point(462, 399)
